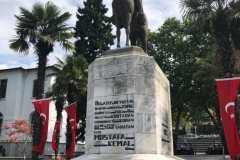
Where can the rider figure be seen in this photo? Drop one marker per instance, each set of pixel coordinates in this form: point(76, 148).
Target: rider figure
point(140, 14)
point(139, 7)
point(138, 4)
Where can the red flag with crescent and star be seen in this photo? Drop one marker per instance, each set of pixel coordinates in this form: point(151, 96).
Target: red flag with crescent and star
point(54, 146)
point(71, 111)
point(42, 107)
point(227, 92)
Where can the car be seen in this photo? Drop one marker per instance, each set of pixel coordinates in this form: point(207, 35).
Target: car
point(190, 135)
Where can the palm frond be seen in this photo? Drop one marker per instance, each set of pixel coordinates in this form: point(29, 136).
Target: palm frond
point(38, 10)
point(19, 45)
point(67, 45)
point(51, 11)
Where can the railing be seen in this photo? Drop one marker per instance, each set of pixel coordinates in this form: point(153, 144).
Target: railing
point(199, 136)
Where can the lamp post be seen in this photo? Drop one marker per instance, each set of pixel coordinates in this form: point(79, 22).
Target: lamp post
point(194, 138)
point(1, 119)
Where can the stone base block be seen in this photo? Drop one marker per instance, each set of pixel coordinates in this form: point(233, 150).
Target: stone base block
point(127, 157)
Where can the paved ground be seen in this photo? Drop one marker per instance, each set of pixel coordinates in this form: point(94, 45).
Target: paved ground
point(204, 157)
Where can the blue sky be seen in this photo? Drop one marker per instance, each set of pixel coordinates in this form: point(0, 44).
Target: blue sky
point(157, 12)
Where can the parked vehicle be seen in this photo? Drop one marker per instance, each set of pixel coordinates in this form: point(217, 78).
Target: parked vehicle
point(190, 135)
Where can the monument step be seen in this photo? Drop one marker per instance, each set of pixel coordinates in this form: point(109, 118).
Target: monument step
point(127, 157)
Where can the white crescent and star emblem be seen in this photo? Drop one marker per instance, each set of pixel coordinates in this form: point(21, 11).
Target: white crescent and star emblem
point(71, 120)
point(229, 105)
point(43, 115)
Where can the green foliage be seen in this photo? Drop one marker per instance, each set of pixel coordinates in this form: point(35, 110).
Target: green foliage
point(41, 27)
point(93, 31)
point(71, 85)
point(44, 25)
point(221, 19)
point(177, 47)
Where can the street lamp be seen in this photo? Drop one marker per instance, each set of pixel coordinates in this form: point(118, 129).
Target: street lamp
point(1, 119)
point(194, 138)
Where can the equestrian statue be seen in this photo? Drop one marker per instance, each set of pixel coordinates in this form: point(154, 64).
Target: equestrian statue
point(129, 14)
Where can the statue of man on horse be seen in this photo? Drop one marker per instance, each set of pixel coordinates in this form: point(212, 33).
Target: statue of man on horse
point(129, 14)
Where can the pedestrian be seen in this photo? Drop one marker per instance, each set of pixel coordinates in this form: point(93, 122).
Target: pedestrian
point(185, 141)
point(183, 148)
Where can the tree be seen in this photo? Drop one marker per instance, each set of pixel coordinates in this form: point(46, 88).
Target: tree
point(93, 31)
point(72, 81)
point(41, 27)
point(57, 94)
point(176, 48)
point(19, 134)
point(221, 19)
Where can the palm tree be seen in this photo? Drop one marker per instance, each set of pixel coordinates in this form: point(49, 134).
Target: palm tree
point(41, 27)
point(72, 80)
point(57, 94)
point(220, 18)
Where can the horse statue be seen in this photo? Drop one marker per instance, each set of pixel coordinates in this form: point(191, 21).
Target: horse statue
point(139, 30)
point(126, 16)
point(122, 14)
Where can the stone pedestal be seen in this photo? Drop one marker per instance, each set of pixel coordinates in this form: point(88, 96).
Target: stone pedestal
point(128, 107)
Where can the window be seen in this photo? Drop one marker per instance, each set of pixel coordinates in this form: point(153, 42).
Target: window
point(3, 88)
point(34, 88)
point(1, 120)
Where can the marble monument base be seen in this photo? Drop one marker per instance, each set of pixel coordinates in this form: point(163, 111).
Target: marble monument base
point(128, 108)
point(127, 157)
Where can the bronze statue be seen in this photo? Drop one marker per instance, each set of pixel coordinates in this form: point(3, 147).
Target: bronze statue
point(129, 14)
point(139, 30)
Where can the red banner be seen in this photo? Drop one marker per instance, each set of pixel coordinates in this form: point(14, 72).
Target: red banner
point(42, 107)
point(71, 111)
point(227, 91)
point(54, 147)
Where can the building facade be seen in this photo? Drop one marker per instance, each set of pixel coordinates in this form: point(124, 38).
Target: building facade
point(17, 90)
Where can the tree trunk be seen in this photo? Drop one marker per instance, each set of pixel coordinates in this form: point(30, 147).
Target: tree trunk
point(36, 121)
point(70, 99)
point(226, 47)
point(59, 107)
point(175, 136)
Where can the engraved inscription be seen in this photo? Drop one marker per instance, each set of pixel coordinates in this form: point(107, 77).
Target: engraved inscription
point(110, 117)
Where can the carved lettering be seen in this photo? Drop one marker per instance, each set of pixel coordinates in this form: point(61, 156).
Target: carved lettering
point(124, 126)
point(97, 103)
point(110, 115)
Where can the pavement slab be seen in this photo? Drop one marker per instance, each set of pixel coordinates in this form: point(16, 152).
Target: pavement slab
point(204, 157)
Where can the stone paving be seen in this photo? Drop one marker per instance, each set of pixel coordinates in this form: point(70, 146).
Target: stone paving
point(204, 157)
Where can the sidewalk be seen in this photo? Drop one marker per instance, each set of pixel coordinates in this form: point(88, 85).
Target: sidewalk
point(204, 157)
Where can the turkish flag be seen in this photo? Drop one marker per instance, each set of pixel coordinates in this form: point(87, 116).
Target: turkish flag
point(54, 147)
point(227, 91)
point(71, 111)
point(42, 107)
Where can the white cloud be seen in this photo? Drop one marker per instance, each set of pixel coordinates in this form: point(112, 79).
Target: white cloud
point(157, 12)
point(3, 66)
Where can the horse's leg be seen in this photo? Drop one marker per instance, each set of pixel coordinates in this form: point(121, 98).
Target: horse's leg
point(144, 43)
point(118, 31)
point(127, 27)
point(133, 39)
